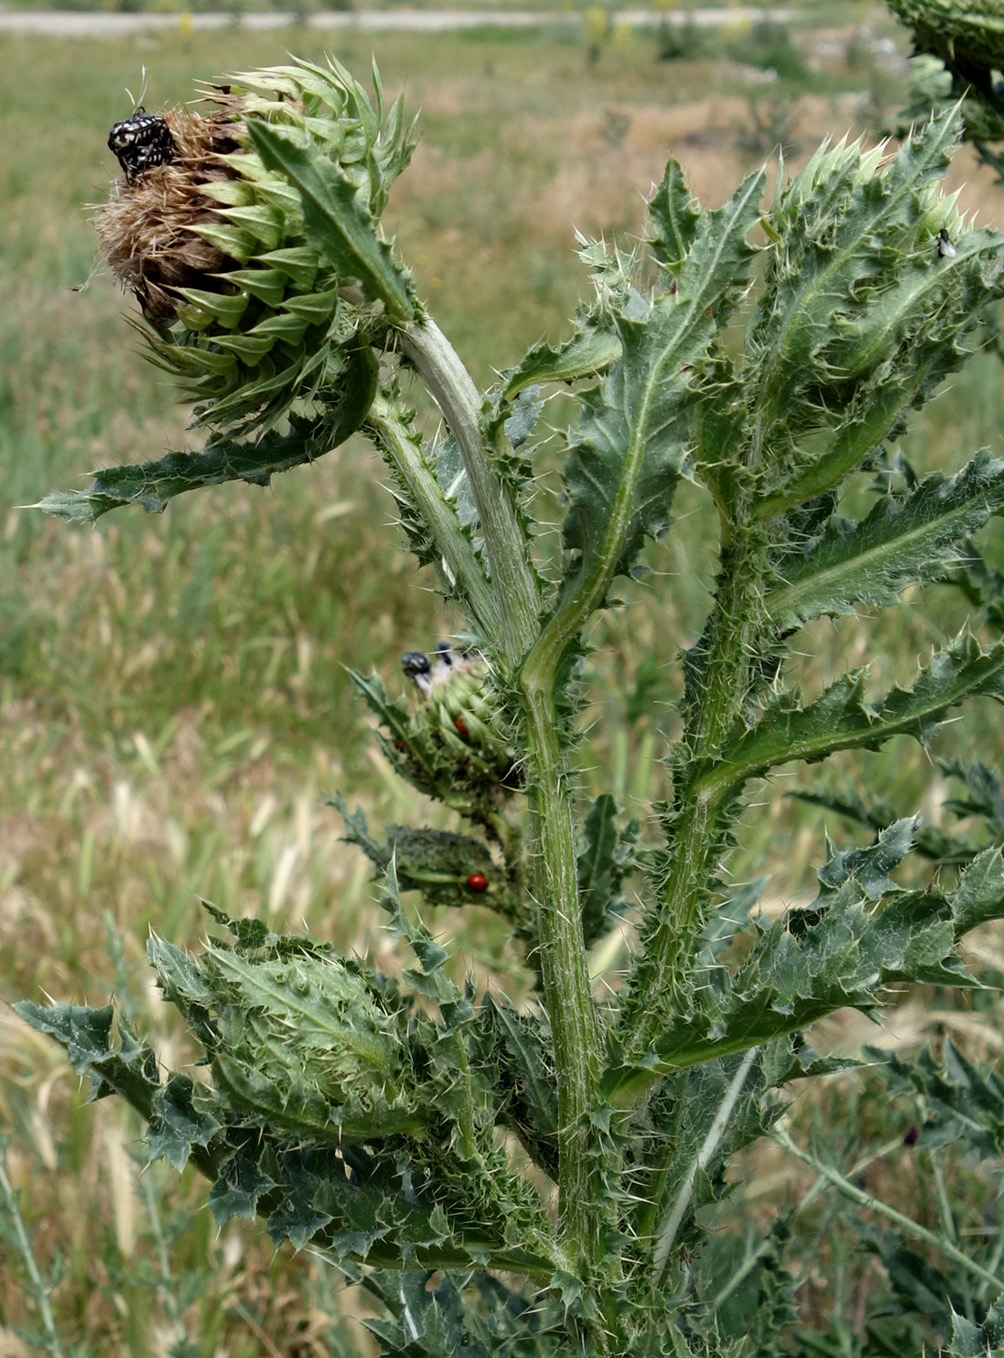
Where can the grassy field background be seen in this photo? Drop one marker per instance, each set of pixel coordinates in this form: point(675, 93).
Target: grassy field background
point(173, 703)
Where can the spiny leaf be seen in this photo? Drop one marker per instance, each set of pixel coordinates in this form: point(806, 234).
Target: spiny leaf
point(237, 1190)
point(517, 1047)
point(186, 1115)
point(86, 1033)
point(861, 313)
point(454, 1092)
point(839, 220)
point(293, 1105)
point(430, 954)
point(124, 1066)
point(443, 455)
point(152, 484)
point(898, 544)
point(431, 1325)
point(839, 952)
point(299, 1218)
point(869, 867)
point(295, 1035)
point(344, 1047)
point(337, 220)
point(632, 446)
point(675, 218)
point(400, 1214)
point(842, 720)
point(184, 986)
point(980, 891)
point(928, 840)
point(590, 351)
point(485, 1318)
point(183, 1121)
point(968, 1340)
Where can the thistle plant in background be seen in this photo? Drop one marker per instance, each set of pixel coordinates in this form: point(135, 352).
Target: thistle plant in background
point(959, 51)
point(538, 1177)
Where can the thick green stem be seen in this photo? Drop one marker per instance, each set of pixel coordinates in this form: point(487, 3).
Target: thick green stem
point(513, 582)
point(562, 960)
point(695, 837)
point(732, 651)
point(734, 644)
point(563, 967)
point(459, 557)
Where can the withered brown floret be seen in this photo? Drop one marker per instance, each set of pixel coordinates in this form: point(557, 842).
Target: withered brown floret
point(145, 228)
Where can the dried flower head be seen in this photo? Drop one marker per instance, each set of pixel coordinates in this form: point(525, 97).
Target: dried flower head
point(246, 301)
point(151, 228)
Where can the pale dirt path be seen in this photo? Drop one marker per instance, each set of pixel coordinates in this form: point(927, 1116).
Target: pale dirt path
point(100, 24)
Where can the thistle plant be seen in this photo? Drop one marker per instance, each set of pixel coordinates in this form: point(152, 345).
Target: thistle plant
point(527, 1175)
point(959, 51)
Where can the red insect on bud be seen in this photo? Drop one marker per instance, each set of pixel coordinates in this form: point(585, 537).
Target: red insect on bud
point(398, 744)
point(461, 726)
point(477, 882)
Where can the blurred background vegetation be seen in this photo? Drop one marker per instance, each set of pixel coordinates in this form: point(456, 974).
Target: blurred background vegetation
point(174, 706)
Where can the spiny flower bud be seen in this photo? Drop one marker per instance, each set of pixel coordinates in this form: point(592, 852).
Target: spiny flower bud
point(461, 715)
point(443, 865)
point(254, 304)
point(302, 1038)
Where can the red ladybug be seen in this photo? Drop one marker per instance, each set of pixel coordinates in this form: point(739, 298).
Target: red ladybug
point(477, 882)
point(461, 726)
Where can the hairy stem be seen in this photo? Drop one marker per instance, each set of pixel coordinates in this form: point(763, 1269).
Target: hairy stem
point(513, 583)
point(552, 832)
point(563, 967)
point(726, 665)
point(459, 558)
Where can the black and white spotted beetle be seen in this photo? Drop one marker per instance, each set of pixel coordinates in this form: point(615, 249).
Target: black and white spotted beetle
point(140, 142)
